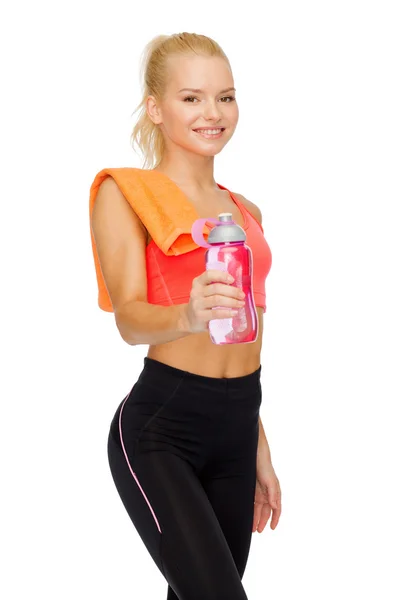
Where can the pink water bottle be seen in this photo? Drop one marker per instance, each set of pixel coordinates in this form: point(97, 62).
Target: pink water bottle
point(227, 251)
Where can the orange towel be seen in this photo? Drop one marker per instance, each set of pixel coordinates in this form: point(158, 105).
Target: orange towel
point(163, 208)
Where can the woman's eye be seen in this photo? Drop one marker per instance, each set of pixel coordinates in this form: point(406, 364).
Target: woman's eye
point(230, 98)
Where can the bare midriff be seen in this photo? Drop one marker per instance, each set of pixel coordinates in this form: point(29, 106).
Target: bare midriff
point(196, 353)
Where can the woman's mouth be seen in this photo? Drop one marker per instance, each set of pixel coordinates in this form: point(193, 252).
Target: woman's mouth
point(210, 134)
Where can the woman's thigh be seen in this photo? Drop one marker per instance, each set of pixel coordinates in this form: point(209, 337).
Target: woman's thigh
point(189, 546)
point(232, 500)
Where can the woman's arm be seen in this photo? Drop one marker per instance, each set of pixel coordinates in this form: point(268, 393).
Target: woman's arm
point(263, 451)
point(120, 238)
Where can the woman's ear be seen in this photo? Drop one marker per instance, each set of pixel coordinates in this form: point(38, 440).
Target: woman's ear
point(153, 110)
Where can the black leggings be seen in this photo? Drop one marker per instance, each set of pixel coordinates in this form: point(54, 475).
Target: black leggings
point(182, 453)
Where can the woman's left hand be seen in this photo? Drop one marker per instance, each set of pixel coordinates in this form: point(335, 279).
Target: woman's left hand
point(267, 496)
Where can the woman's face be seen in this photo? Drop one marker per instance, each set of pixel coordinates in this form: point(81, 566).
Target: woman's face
point(180, 113)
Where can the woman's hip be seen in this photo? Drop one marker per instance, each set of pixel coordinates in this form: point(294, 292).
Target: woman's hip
point(169, 408)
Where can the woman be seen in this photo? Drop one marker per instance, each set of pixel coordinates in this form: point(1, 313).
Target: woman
point(186, 446)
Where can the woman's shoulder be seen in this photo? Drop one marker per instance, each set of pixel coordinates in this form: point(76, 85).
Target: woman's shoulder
point(253, 208)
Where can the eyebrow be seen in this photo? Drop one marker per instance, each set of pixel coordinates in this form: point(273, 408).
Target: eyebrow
point(201, 91)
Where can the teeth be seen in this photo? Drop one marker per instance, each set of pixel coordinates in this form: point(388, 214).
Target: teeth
point(209, 131)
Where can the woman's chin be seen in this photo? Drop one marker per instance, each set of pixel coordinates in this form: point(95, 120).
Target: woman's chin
point(208, 149)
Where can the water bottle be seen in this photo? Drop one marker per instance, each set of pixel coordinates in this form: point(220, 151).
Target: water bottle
point(227, 251)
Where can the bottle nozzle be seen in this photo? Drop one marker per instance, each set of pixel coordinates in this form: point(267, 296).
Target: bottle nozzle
point(225, 217)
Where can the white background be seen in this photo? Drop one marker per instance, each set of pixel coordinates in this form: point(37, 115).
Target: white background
point(327, 146)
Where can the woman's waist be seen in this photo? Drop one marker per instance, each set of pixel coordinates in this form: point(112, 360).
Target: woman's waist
point(202, 357)
point(196, 353)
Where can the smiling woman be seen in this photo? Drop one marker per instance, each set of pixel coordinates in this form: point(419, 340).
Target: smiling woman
point(186, 447)
point(184, 115)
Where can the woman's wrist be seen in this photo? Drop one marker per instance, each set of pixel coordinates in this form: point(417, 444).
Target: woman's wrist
point(263, 450)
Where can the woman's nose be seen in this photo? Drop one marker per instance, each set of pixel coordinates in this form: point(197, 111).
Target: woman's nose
point(211, 110)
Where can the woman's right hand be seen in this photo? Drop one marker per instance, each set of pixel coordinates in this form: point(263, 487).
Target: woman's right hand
point(212, 288)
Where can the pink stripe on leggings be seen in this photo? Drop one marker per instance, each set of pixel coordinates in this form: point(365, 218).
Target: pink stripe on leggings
point(129, 466)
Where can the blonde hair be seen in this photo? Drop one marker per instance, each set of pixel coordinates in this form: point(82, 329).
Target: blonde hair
point(153, 72)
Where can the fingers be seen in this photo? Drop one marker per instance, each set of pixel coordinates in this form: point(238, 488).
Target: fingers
point(215, 275)
point(262, 514)
point(222, 288)
point(276, 517)
point(265, 515)
point(213, 300)
point(257, 516)
point(212, 296)
point(213, 289)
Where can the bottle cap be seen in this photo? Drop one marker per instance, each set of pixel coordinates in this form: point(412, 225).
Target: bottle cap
point(225, 230)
